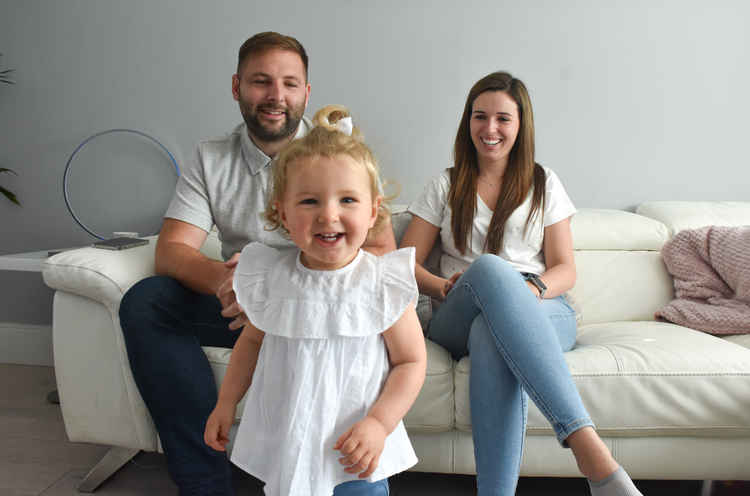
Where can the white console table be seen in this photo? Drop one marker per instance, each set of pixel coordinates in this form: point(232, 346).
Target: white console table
point(27, 334)
point(30, 261)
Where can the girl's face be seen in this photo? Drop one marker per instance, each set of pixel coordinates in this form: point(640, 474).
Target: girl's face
point(328, 209)
point(494, 126)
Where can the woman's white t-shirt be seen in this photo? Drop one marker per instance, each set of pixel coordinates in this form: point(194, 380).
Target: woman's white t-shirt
point(523, 250)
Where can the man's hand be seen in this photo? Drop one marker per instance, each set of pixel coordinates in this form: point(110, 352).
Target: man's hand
point(216, 434)
point(228, 299)
point(361, 446)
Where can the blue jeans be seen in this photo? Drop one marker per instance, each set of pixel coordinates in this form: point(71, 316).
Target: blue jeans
point(362, 488)
point(516, 343)
point(164, 325)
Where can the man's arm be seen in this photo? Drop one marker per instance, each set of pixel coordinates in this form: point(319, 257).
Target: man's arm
point(178, 256)
point(383, 242)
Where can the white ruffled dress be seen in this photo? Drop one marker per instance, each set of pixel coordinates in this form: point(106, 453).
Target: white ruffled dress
point(321, 367)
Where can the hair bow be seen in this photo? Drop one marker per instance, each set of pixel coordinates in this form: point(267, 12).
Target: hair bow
point(345, 125)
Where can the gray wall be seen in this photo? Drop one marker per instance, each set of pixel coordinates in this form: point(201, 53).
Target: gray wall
point(634, 101)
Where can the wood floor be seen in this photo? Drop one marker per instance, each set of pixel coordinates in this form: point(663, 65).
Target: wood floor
point(36, 458)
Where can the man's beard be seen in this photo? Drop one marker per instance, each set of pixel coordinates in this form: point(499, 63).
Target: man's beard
point(257, 129)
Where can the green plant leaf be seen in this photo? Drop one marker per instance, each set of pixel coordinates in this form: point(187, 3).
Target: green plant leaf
point(10, 196)
point(5, 75)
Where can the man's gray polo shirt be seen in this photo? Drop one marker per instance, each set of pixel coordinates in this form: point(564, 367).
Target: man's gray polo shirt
point(227, 184)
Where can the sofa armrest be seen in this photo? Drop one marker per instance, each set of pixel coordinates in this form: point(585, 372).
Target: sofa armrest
point(101, 275)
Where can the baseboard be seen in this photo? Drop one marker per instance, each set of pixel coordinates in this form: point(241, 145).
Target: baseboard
point(26, 344)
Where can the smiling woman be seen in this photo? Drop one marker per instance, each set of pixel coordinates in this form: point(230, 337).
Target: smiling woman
point(504, 223)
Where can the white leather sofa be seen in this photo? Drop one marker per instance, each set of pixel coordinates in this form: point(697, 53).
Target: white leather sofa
point(671, 402)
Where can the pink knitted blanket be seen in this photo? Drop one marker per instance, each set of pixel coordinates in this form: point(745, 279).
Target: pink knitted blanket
point(711, 270)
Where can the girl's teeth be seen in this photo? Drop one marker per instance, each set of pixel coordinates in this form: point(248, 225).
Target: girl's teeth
point(488, 142)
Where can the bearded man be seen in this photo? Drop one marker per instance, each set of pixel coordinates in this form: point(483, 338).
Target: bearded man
point(168, 318)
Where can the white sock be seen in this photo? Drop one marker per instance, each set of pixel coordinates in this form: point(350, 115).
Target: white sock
point(617, 484)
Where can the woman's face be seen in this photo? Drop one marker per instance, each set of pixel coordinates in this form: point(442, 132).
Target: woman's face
point(494, 125)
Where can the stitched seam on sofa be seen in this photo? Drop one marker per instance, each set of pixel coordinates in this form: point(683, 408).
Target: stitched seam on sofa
point(612, 353)
point(454, 439)
point(661, 374)
point(428, 428)
point(124, 369)
point(652, 427)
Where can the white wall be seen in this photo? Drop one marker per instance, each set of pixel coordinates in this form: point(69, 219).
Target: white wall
point(634, 100)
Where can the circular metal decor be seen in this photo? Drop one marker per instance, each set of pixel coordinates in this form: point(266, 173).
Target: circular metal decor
point(69, 168)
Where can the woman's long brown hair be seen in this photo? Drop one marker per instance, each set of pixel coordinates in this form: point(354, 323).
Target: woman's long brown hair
point(521, 174)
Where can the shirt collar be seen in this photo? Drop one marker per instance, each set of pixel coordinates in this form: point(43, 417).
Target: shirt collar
point(255, 159)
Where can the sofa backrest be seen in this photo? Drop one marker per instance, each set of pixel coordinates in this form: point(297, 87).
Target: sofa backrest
point(621, 276)
point(620, 272)
point(679, 215)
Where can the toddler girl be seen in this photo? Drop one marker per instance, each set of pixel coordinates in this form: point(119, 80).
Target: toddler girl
point(334, 355)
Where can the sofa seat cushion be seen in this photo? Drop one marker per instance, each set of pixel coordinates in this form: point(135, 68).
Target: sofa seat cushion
point(739, 339)
point(649, 379)
point(433, 411)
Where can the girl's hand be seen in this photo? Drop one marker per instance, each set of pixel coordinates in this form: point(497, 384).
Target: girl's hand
point(216, 434)
point(449, 285)
point(361, 446)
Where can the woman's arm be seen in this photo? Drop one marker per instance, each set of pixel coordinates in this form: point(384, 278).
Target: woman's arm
point(422, 236)
point(560, 275)
point(383, 242)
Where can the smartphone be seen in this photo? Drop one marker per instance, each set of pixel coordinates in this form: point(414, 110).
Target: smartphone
point(120, 243)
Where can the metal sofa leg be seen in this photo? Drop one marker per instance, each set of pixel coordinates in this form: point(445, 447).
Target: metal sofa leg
point(707, 487)
point(110, 463)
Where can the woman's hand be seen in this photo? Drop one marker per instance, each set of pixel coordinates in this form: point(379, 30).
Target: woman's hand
point(533, 289)
point(361, 446)
point(449, 285)
point(216, 434)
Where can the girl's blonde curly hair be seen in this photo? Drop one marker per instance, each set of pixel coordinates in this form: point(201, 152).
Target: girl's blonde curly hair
point(325, 140)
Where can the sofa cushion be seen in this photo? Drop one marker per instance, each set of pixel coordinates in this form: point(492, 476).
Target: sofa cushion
point(431, 412)
point(679, 215)
point(105, 275)
point(739, 339)
point(649, 379)
point(615, 285)
point(606, 229)
point(101, 275)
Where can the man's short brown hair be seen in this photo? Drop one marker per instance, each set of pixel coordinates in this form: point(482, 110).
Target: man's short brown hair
point(270, 40)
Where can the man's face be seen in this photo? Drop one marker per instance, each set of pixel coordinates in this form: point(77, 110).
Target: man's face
point(272, 93)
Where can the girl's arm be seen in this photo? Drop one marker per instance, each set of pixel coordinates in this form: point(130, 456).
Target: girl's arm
point(362, 445)
point(422, 236)
point(241, 365)
point(560, 275)
point(408, 357)
point(234, 386)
